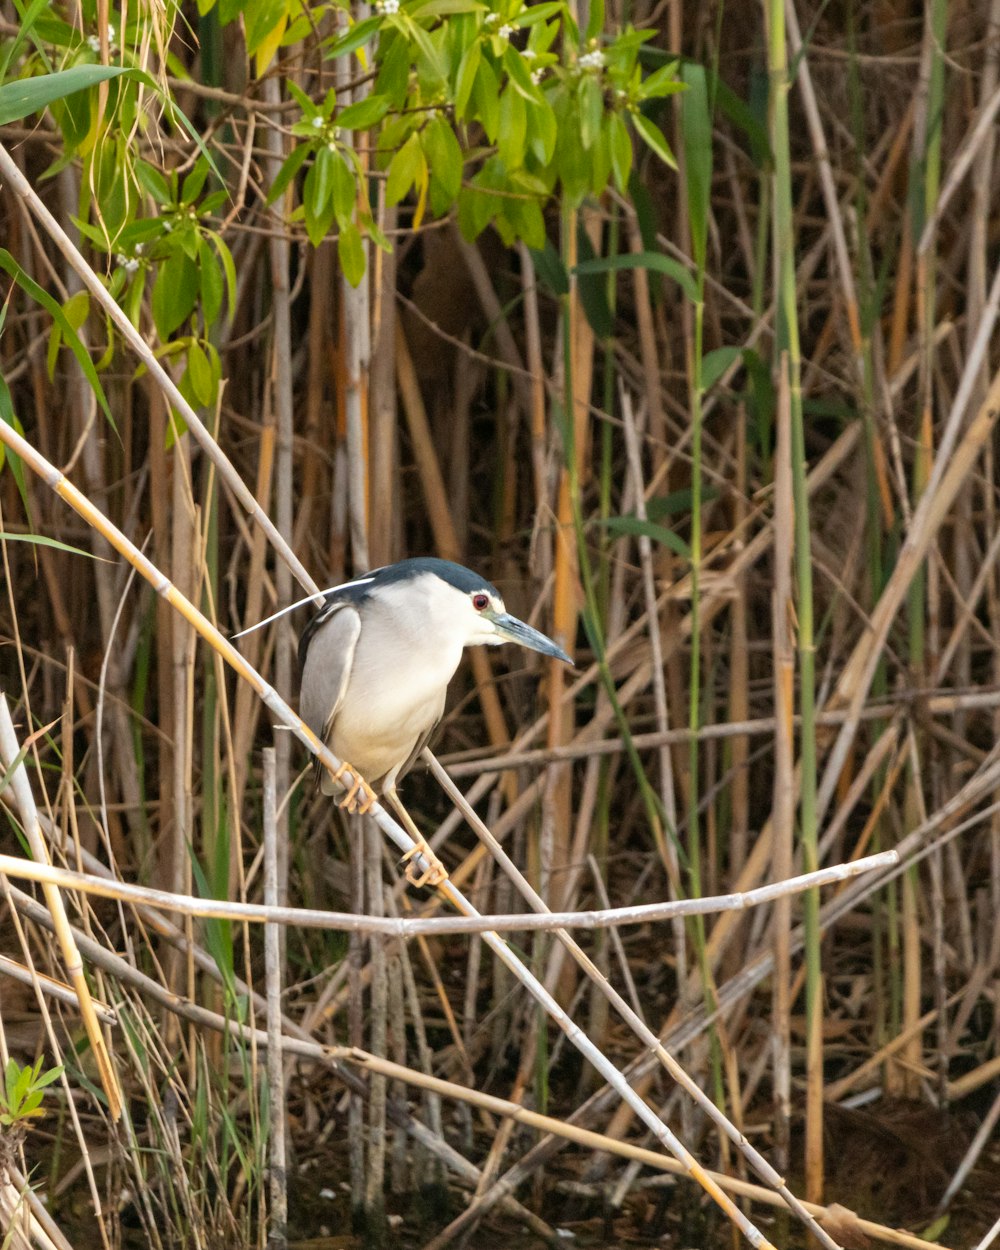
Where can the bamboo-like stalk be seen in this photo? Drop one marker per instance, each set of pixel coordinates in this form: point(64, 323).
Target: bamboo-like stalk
point(408, 927)
point(17, 778)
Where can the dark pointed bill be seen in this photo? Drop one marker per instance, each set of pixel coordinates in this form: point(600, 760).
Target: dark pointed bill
point(513, 630)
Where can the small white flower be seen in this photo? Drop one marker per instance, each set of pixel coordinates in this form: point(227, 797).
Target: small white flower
point(111, 33)
point(592, 61)
point(529, 54)
point(328, 1194)
point(505, 31)
point(317, 122)
point(168, 225)
point(387, 7)
point(491, 19)
point(93, 43)
point(536, 75)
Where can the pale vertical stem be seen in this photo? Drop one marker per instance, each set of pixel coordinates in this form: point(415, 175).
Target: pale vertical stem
point(182, 645)
point(783, 818)
point(355, 1016)
point(667, 839)
point(377, 1031)
point(739, 675)
point(542, 546)
point(386, 506)
point(786, 295)
point(281, 380)
point(277, 1167)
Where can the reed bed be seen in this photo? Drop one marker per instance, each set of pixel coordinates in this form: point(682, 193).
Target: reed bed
point(728, 958)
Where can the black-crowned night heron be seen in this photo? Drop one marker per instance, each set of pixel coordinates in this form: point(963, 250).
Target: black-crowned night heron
point(376, 661)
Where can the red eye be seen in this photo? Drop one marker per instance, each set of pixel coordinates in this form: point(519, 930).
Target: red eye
point(480, 602)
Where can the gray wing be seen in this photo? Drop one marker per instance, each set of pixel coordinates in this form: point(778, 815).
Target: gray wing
point(326, 667)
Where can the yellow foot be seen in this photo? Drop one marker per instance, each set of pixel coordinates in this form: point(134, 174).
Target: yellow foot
point(435, 872)
point(359, 795)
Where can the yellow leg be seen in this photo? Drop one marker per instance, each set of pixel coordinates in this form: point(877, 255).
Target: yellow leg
point(435, 873)
point(350, 799)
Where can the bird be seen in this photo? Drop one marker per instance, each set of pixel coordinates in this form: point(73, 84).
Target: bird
point(375, 664)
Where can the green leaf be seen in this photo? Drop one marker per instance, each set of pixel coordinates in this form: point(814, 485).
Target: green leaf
point(30, 95)
point(210, 283)
point(486, 97)
point(404, 169)
point(228, 269)
point(194, 182)
point(154, 183)
point(531, 15)
point(444, 158)
point(620, 147)
point(318, 189)
point(200, 374)
point(512, 128)
point(465, 81)
point(661, 82)
point(174, 293)
point(595, 20)
point(293, 163)
point(39, 540)
point(654, 138)
point(644, 260)
point(696, 131)
point(657, 533)
point(262, 17)
point(364, 114)
point(550, 269)
point(345, 190)
point(41, 296)
point(437, 8)
point(354, 37)
point(351, 250)
point(715, 363)
point(8, 415)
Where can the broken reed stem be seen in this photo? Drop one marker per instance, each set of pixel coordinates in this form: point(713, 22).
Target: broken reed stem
point(58, 990)
point(404, 928)
point(17, 778)
point(165, 588)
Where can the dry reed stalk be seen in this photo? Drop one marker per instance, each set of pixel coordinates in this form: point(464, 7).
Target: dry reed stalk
point(226, 651)
point(952, 466)
point(783, 811)
point(192, 905)
point(838, 1217)
point(277, 1165)
point(294, 1042)
point(17, 779)
point(650, 1040)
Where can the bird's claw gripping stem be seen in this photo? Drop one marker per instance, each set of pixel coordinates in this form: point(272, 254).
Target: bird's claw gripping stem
point(434, 874)
point(350, 800)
